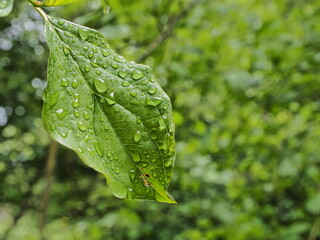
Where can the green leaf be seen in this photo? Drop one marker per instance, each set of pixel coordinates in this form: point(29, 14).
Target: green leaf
point(5, 7)
point(111, 112)
point(51, 3)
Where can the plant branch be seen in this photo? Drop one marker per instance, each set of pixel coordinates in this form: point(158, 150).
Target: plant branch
point(314, 232)
point(167, 30)
point(51, 163)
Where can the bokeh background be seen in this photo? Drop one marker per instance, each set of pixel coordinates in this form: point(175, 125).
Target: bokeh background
point(243, 76)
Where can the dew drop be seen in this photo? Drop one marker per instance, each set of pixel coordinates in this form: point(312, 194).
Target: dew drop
point(135, 156)
point(87, 68)
point(105, 53)
point(162, 124)
point(125, 83)
point(84, 34)
point(154, 174)
point(69, 34)
point(76, 113)
point(110, 101)
point(100, 85)
point(120, 59)
point(90, 55)
point(66, 50)
point(149, 102)
point(168, 163)
point(53, 99)
point(98, 72)
point(76, 103)
point(144, 164)
point(61, 113)
point(87, 138)
point(93, 64)
point(60, 22)
point(114, 65)
point(133, 93)
point(171, 128)
point(64, 135)
point(91, 151)
point(144, 82)
point(137, 136)
point(152, 90)
point(82, 126)
point(132, 174)
point(117, 171)
point(98, 148)
point(157, 100)
point(74, 83)
point(122, 73)
point(64, 83)
point(136, 75)
point(86, 115)
point(85, 48)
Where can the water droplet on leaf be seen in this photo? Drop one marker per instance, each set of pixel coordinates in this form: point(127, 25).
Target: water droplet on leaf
point(136, 75)
point(76, 103)
point(152, 90)
point(66, 50)
point(125, 83)
point(83, 34)
point(168, 163)
point(105, 53)
point(114, 65)
point(86, 115)
point(82, 126)
point(137, 136)
point(149, 102)
point(110, 101)
point(120, 59)
point(74, 83)
point(133, 93)
point(64, 83)
point(61, 113)
point(76, 113)
point(100, 85)
point(162, 124)
point(122, 73)
point(144, 164)
point(93, 64)
point(135, 156)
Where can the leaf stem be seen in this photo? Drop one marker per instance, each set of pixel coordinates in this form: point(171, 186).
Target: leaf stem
point(42, 13)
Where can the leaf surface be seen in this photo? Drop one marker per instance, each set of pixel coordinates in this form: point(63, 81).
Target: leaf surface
point(5, 7)
point(111, 112)
point(51, 3)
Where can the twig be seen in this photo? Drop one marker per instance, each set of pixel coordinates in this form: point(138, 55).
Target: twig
point(314, 232)
point(167, 30)
point(51, 163)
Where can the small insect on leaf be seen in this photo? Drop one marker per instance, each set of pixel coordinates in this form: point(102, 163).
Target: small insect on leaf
point(110, 111)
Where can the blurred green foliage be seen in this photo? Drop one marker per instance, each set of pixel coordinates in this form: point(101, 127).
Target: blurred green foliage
point(243, 77)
